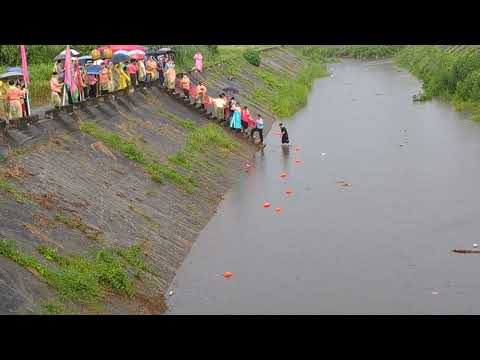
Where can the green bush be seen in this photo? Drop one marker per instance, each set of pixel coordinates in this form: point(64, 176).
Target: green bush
point(253, 57)
point(469, 88)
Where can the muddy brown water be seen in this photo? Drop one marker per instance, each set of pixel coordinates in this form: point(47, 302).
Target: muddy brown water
point(380, 246)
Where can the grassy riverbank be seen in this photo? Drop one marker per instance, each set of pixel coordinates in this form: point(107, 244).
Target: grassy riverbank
point(452, 74)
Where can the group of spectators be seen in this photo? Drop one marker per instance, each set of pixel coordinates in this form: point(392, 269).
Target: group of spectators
point(111, 77)
point(128, 75)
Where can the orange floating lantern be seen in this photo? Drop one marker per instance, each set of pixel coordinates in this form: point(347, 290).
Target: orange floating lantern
point(289, 191)
point(266, 204)
point(278, 210)
point(298, 161)
point(227, 274)
point(283, 175)
point(298, 148)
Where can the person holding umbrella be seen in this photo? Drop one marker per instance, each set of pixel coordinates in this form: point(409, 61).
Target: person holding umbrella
point(3, 100)
point(14, 97)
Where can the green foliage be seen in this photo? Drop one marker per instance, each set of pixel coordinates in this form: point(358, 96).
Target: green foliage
point(294, 94)
point(55, 308)
point(207, 138)
point(158, 172)
point(132, 256)
point(283, 95)
point(78, 279)
point(11, 191)
point(76, 223)
point(252, 57)
point(452, 73)
point(469, 88)
point(370, 51)
point(38, 54)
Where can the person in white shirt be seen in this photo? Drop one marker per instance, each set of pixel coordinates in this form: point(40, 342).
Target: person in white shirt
point(219, 107)
point(258, 128)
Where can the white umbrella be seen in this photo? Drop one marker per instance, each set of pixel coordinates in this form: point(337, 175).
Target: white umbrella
point(72, 51)
point(136, 52)
point(121, 52)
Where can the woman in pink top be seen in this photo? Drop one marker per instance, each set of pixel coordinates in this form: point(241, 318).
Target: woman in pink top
point(198, 61)
point(132, 71)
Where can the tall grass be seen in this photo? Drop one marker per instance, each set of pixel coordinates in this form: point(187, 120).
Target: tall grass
point(452, 74)
point(78, 279)
point(200, 140)
point(284, 96)
point(159, 172)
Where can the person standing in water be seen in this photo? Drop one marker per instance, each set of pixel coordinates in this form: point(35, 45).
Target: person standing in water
point(285, 140)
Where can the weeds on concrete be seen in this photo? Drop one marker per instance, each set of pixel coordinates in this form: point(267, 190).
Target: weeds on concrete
point(78, 279)
point(159, 172)
point(9, 189)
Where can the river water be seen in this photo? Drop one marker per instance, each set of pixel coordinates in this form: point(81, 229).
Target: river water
point(380, 246)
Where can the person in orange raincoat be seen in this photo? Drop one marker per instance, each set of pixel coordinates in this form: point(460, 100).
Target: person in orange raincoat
point(56, 90)
point(170, 76)
point(14, 98)
point(151, 66)
point(201, 93)
point(185, 82)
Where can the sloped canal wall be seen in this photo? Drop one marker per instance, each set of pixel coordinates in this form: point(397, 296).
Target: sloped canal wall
point(64, 189)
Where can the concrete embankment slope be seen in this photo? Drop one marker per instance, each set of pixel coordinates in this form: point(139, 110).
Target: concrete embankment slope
point(61, 188)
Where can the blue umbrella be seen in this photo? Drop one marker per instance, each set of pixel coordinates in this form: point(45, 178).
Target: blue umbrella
point(11, 74)
point(94, 69)
point(14, 69)
point(83, 59)
point(120, 57)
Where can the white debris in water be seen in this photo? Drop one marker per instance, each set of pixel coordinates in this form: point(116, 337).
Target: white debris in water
point(435, 292)
point(170, 293)
point(475, 245)
point(323, 154)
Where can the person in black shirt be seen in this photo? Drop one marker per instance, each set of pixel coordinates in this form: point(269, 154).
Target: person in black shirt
point(285, 140)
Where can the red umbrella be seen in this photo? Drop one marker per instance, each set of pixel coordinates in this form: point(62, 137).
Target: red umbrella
point(122, 47)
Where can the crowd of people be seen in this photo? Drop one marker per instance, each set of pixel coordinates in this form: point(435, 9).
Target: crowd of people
point(12, 99)
point(238, 118)
point(109, 77)
point(112, 77)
